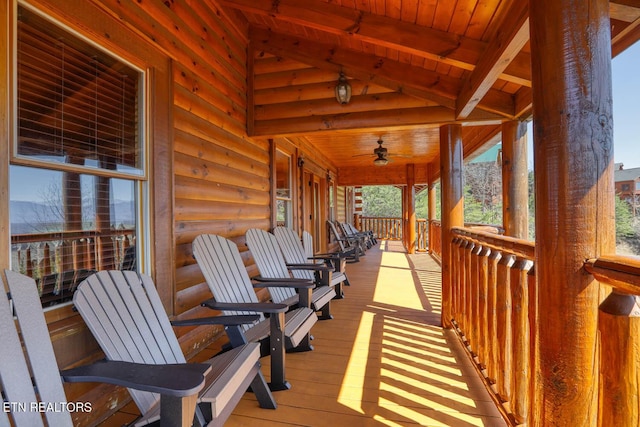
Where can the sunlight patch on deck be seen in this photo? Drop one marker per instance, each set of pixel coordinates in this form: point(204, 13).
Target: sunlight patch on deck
point(352, 388)
point(395, 285)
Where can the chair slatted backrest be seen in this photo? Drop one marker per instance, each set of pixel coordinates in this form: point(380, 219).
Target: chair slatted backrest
point(124, 312)
point(307, 243)
point(14, 372)
point(270, 261)
point(227, 277)
point(337, 235)
point(293, 251)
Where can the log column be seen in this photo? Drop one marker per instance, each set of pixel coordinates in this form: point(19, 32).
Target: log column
point(411, 209)
point(451, 205)
point(515, 185)
point(573, 151)
point(431, 201)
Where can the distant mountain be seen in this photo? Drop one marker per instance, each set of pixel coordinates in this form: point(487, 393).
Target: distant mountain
point(30, 217)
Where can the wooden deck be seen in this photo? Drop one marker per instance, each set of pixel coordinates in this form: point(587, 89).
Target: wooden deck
point(383, 360)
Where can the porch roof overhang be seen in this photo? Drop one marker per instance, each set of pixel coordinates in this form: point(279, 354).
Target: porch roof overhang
point(412, 66)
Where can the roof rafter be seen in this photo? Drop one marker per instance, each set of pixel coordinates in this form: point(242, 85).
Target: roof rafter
point(451, 49)
point(403, 78)
point(509, 41)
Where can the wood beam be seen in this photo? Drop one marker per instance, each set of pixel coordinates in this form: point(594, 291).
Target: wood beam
point(509, 41)
point(380, 175)
point(573, 149)
point(329, 106)
point(400, 77)
point(293, 93)
point(385, 119)
point(351, 24)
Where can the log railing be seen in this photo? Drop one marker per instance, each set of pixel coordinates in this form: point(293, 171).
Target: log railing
point(435, 239)
point(388, 228)
point(619, 327)
point(58, 261)
point(494, 297)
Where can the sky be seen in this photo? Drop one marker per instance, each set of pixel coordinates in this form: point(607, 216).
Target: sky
point(626, 107)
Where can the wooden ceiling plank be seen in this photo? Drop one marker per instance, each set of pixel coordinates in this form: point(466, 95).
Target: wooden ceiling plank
point(434, 44)
point(499, 53)
point(411, 80)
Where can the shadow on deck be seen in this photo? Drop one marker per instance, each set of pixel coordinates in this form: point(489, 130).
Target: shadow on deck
point(383, 360)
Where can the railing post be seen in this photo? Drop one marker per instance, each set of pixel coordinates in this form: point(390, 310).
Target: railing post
point(619, 324)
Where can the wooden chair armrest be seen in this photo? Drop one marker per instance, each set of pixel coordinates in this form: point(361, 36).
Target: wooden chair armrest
point(261, 307)
point(218, 320)
point(178, 380)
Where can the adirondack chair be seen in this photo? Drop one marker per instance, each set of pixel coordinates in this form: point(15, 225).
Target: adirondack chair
point(295, 254)
point(369, 236)
point(272, 265)
point(348, 246)
point(31, 380)
point(124, 312)
point(350, 232)
point(234, 294)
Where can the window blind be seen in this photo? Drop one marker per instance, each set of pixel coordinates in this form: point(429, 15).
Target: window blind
point(76, 104)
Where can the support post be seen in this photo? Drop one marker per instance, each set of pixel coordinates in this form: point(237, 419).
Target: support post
point(431, 201)
point(573, 151)
point(411, 209)
point(515, 185)
point(451, 205)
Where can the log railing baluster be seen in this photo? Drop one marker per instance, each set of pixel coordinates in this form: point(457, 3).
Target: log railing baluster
point(503, 322)
point(520, 339)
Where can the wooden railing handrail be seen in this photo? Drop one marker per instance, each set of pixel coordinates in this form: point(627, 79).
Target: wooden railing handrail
point(519, 247)
point(66, 235)
point(620, 272)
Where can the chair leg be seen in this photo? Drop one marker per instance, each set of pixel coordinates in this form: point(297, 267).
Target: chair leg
point(261, 389)
point(326, 312)
point(278, 381)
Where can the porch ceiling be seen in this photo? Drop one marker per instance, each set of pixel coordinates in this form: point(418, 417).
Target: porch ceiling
point(413, 66)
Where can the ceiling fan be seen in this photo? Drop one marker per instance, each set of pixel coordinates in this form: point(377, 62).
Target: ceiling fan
point(380, 154)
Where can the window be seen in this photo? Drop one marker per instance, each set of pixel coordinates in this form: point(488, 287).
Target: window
point(625, 187)
point(78, 169)
point(283, 189)
point(637, 185)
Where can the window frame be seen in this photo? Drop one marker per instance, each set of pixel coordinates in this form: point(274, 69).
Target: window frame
point(140, 177)
point(289, 217)
point(143, 92)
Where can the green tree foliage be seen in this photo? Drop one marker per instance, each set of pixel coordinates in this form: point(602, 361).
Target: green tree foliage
point(483, 193)
point(624, 219)
point(381, 201)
